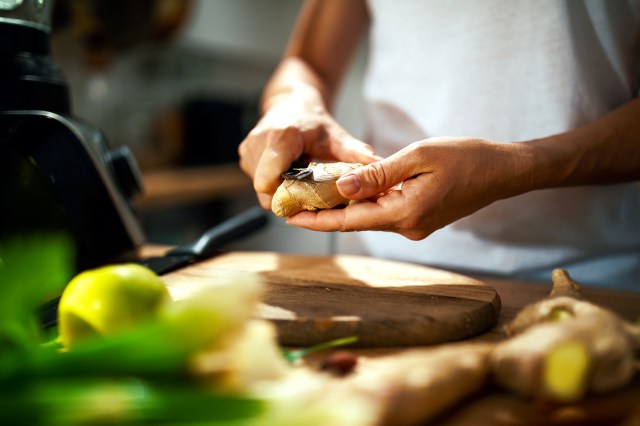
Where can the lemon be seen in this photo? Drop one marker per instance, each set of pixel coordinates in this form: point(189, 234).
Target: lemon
point(109, 299)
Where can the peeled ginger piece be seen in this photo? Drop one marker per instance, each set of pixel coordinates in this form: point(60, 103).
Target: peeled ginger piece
point(317, 191)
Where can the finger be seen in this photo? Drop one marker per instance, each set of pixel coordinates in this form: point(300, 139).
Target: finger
point(249, 156)
point(362, 216)
point(264, 200)
point(375, 178)
point(275, 160)
point(386, 216)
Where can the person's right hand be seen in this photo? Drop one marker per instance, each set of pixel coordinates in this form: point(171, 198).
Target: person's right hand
point(294, 127)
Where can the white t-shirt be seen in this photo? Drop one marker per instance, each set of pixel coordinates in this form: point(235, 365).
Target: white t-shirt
point(510, 71)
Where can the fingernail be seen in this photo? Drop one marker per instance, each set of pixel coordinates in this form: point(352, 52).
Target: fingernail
point(349, 184)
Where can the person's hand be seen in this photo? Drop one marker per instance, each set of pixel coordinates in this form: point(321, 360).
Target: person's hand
point(442, 180)
point(294, 128)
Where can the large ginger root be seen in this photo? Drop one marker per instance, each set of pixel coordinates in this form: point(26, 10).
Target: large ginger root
point(413, 387)
point(563, 347)
point(317, 191)
point(559, 349)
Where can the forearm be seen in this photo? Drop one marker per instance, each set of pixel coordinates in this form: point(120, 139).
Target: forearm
point(294, 78)
point(605, 151)
point(322, 44)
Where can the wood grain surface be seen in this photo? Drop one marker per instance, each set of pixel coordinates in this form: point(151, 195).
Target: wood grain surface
point(393, 374)
point(314, 299)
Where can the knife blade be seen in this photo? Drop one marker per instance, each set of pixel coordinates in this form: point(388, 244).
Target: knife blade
point(206, 246)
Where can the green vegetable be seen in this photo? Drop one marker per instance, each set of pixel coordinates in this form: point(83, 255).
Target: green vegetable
point(109, 299)
point(92, 401)
point(156, 348)
point(137, 375)
point(32, 270)
point(293, 355)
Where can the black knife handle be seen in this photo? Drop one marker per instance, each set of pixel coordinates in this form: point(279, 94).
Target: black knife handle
point(232, 229)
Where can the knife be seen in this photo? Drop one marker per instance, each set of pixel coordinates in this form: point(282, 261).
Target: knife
point(210, 242)
point(206, 246)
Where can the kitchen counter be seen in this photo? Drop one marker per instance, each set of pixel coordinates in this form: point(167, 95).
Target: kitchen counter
point(517, 294)
point(496, 407)
point(493, 406)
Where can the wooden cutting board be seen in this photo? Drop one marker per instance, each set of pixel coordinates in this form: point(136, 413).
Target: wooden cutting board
point(314, 299)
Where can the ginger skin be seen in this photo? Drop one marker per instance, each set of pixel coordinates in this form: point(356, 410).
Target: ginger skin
point(319, 191)
point(558, 350)
point(563, 347)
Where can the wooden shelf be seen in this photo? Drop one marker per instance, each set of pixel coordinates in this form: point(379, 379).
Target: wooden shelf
point(174, 187)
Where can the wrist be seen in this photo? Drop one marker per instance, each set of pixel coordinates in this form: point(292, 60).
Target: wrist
point(602, 152)
point(515, 169)
point(546, 163)
point(295, 81)
point(298, 96)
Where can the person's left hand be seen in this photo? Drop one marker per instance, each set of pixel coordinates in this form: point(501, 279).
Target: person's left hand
point(442, 180)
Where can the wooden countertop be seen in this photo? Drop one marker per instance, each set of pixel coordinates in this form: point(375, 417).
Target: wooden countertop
point(496, 407)
point(515, 295)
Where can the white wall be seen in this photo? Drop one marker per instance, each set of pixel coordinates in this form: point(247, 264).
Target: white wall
point(252, 27)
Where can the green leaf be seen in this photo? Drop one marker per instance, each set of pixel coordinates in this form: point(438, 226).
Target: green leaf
point(294, 355)
point(122, 401)
point(32, 269)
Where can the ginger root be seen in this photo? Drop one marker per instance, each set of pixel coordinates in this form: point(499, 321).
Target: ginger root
point(318, 191)
point(558, 350)
point(415, 386)
point(563, 347)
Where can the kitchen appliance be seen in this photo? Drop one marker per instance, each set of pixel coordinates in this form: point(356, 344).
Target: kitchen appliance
point(57, 173)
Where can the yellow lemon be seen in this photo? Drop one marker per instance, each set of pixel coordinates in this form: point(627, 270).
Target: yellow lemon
point(108, 299)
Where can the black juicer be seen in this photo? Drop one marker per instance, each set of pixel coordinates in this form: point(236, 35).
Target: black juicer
point(57, 173)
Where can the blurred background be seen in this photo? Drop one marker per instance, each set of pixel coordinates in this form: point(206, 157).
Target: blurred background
point(178, 82)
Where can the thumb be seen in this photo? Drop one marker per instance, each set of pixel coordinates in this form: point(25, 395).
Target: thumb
point(371, 179)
